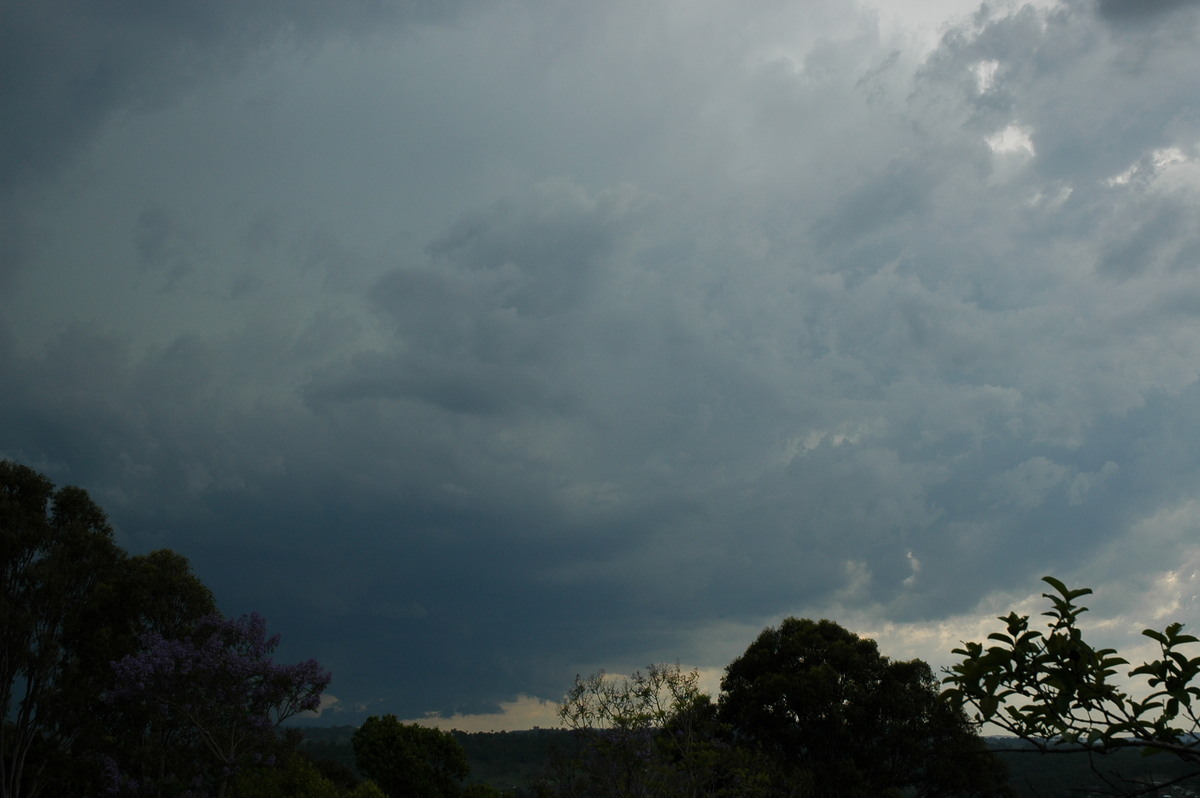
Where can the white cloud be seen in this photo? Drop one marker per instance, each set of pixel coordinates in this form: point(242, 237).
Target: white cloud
point(1013, 139)
point(915, 564)
point(985, 75)
point(525, 712)
point(328, 703)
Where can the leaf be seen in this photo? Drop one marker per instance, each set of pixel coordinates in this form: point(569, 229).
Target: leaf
point(1056, 584)
point(1153, 635)
point(1069, 595)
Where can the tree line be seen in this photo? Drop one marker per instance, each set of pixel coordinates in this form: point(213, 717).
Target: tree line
point(119, 677)
point(810, 709)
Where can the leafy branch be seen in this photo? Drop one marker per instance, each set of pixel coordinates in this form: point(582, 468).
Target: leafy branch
point(1058, 693)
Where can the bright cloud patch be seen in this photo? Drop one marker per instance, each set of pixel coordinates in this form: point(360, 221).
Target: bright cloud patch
point(1012, 139)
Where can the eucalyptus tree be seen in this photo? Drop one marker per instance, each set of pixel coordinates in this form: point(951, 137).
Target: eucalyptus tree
point(56, 551)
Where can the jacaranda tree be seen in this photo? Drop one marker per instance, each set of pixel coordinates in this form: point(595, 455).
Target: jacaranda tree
point(155, 593)
point(215, 694)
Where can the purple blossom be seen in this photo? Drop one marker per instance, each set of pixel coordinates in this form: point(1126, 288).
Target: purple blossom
point(222, 682)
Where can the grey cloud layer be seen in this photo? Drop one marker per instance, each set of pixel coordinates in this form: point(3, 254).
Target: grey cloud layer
point(658, 321)
point(65, 65)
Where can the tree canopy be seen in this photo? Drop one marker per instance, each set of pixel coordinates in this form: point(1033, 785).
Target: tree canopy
point(829, 711)
point(219, 687)
point(406, 759)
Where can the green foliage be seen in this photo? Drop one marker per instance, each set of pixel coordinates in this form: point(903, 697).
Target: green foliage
point(803, 687)
point(56, 553)
point(1054, 690)
point(1125, 770)
point(511, 760)
point(72, 602)
point(408, 760)
point(295, 777)
point(366, 789)
point(827, 711)
point(156, 593)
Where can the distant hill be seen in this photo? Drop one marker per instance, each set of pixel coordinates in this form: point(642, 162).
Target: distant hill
point(332, 742)
point(512, 760)
point(515, 760)
point(1037, 775)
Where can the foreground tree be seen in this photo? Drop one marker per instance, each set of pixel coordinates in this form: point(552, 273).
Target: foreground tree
point(834, 717)
point(409, 760)
point(71, 602)
point(152, 594)
point(295, 775)
point(56, 551)
point(214, 693)
point(1059, 694)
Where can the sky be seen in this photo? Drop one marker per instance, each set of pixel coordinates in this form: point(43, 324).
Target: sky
point(478, 345)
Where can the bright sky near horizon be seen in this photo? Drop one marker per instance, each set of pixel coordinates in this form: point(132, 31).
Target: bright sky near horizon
point(480, 344)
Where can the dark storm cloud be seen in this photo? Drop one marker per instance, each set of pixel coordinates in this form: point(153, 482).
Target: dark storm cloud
point(1139, 11)
point(65, 65)
point(165, 246)
point(1167, 237)
point(475, 365)
point(483, 326)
